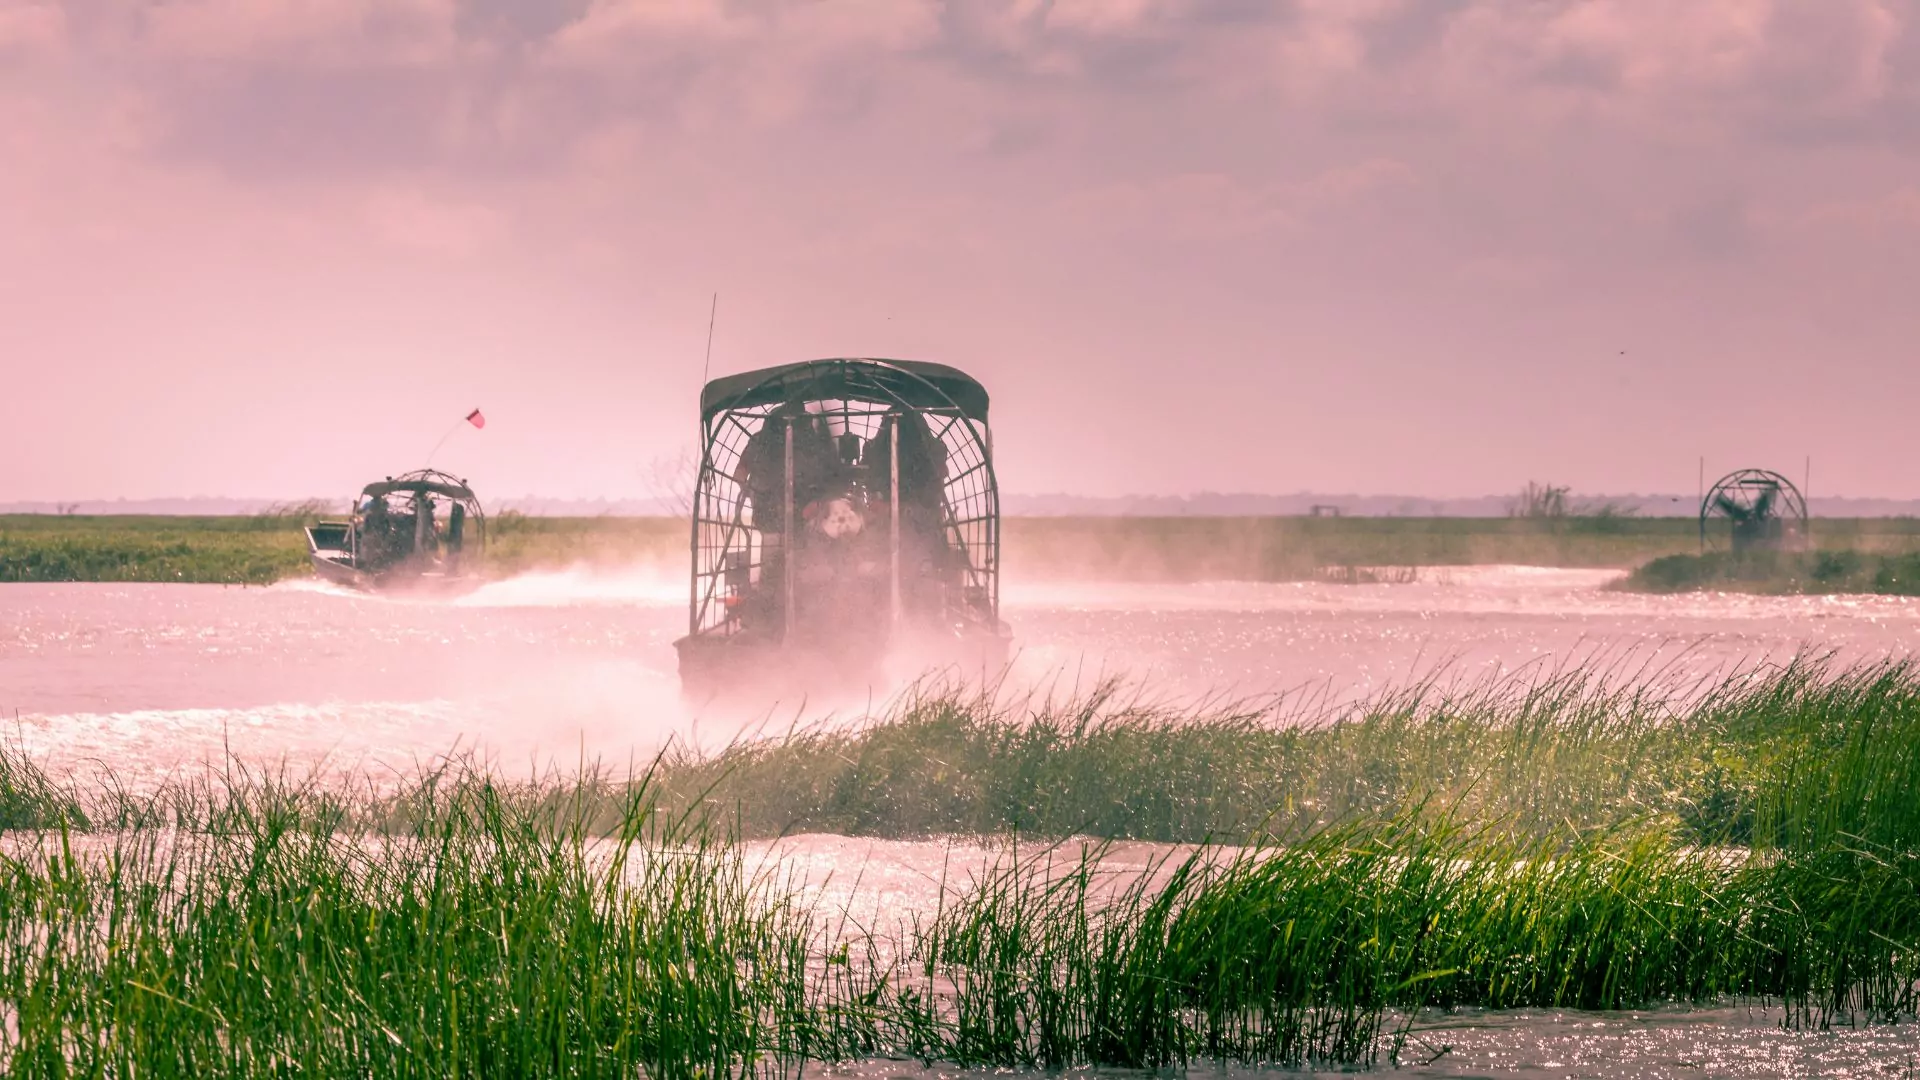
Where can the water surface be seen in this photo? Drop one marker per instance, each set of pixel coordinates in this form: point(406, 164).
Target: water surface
point(146, 679)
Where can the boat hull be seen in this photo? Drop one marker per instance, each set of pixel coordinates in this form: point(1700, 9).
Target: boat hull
point(399, 581)
point(337, 573)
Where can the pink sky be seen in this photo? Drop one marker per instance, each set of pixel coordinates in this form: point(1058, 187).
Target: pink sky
point(1433, 247)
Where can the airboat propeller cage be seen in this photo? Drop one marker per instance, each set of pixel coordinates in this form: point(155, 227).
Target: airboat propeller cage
point(1764, 511)
point(398, 543)
point(416, 483)
point(465, 505)
point(872, 476)
point(912, 383)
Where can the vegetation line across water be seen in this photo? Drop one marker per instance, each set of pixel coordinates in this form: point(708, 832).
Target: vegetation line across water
point(269, 547)
point(1565, 842)
point(1781, 572)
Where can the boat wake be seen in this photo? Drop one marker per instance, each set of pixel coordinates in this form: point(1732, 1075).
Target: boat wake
point(625, 586)
point(635, 586)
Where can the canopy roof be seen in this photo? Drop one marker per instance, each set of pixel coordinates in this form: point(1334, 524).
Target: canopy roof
point(914, 383)
point(429, 481)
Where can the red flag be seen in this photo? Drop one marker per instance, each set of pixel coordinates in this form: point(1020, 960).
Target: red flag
point(476, 419)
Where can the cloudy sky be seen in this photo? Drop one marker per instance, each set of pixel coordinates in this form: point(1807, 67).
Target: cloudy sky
point(1432, 247)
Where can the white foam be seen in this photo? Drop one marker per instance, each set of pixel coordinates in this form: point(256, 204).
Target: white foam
point(643, 586)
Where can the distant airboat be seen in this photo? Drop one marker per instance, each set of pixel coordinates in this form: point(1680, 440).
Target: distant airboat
point(398, 539)
point(1762, 511)
point(846, 512)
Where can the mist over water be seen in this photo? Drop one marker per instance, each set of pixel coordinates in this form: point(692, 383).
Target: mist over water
point(558, 665)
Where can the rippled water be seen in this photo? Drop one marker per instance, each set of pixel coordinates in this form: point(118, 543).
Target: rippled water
point(1659, 1045)
point(147, 678)
point(878, 880)
point(144, 676)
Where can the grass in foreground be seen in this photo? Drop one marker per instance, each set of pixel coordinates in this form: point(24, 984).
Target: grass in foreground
point(1321, 949)
point(1585, 747)
point(1539, 845)
point(490, 940)
point(29, 798)
point(1838, 571)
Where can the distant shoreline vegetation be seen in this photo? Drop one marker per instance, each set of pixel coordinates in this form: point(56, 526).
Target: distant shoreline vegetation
point(1044, 504)
point(260, 549)
point(1780, 573)
point(263, 548)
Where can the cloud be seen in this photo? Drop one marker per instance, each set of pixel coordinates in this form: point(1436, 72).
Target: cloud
point(30, 27)
point(1895, 210)
point(342, 33)
point(1346, 183)
point(1720, 225)
point(1220, 206)
point(1511, 131)
point(1106, 183)
point(1717, 66)
point(327, 86)
point(1397, 37)
point(1508, 274)
point(616, 36)
point(425, 222)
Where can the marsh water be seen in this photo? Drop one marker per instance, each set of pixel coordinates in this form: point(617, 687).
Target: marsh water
point(147, 679)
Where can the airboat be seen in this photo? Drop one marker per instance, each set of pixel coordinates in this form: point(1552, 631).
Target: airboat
point(1762, 511)
point(846, 518)
point(398, 539)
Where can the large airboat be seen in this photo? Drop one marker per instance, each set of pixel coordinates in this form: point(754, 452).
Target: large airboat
point(398, 539)
point(846, 517)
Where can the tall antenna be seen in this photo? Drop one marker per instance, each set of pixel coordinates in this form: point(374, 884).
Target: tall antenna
point(700, 433)
point(1806, 498)
point(712, 312)
point(443, 441)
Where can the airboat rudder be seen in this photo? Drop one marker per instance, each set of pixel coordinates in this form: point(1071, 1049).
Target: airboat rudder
point(846, 521)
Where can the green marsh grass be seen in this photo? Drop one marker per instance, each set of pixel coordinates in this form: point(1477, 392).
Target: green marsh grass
point(268, 547)
point(29, 798)
point(518, 542)
point(1356, 550)
point(1586, 745)
point(1326, 947)
point(1812, 572)
point(286, 935)
point(1562, 842)
point(223, 550)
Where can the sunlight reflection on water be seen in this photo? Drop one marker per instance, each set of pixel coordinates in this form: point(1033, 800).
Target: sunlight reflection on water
point(148, 678)
point(576, 662)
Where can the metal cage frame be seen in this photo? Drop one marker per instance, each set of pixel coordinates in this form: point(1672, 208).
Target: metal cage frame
point(857, 407)
point(434, 482)
point(1742, 491)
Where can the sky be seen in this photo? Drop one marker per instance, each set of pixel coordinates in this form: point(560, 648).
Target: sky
point(1423, 247)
